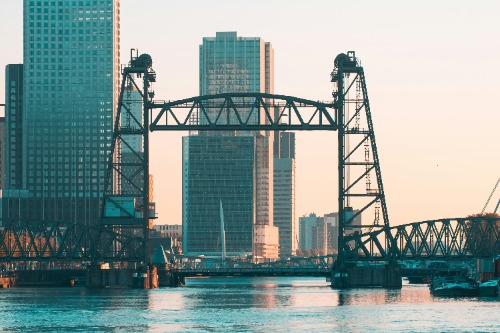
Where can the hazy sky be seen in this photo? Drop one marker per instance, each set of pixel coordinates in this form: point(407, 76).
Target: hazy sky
point(432, 71)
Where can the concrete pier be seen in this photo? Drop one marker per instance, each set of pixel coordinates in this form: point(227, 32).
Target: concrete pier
point(353, 276)
point(169, 278)
point(101, 276)
point(49, 277)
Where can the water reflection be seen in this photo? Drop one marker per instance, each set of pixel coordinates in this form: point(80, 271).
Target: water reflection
point(242, 305)
point(68, 309)
point(408, 294)
point(237, 293)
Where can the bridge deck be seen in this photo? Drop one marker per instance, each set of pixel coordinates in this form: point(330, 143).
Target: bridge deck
point(250, 272)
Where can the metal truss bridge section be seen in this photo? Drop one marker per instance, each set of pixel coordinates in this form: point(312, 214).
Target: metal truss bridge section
point(446, 239)
point(243, 112)
point(55, 241)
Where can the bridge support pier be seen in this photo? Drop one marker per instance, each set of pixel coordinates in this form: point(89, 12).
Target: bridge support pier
point(167, 277)
point(353, 276)
point(100, 276)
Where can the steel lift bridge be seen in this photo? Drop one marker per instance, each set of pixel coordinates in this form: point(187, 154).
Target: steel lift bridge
point(121, 237)
point(349, 115)
point(359, 177)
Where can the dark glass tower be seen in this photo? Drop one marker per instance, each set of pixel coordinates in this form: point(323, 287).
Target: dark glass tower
point(71, 71)
point(232, 167)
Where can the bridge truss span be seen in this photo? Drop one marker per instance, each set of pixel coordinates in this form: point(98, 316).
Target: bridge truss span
point(243, 112)
point(447, 239)
point(57, 241)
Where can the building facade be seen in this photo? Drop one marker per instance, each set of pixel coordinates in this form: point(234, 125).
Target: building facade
point(320, 234)
point(71, 71)
point(232, 167)
point(284, 192)
point(308, 232)
point(170, 230)
point(13, 126)
point(218, 168)
point(2, 152)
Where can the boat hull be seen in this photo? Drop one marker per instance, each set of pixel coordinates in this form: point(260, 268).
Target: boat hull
point(488, 291)
point(455, 292)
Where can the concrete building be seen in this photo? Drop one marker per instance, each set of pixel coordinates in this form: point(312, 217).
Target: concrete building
point(319, 235)
point(233, 167)
point(70, 81)
point(284, 192)
point(313, 235)
point(170, 230)
point(308, 227)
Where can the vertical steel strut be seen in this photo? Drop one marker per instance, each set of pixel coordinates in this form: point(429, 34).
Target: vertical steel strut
point(125, 205)
point(356, 138)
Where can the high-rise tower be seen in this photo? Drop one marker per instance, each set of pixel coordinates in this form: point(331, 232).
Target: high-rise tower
point(71, 70)
point(284, 192)
point(13, 121)
point(235, 168)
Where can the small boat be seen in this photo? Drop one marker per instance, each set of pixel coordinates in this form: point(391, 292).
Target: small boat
point(489, 288)
point(453, 286)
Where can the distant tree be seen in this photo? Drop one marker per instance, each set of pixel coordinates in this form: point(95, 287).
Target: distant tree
point(299, 253)
point(483, 231)
point(332, 251)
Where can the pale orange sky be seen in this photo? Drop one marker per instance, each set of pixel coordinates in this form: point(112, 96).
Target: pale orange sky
point(432, 70)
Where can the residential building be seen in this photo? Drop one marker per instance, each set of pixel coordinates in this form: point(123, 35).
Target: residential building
point(169, 230)
point(308, 228)
point(319, 235)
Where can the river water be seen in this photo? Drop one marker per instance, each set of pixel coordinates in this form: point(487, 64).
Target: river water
point(244, 305)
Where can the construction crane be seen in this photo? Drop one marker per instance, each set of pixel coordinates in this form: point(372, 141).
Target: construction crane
point(489, 198)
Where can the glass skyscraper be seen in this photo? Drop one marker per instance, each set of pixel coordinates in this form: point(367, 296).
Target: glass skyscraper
point(13, 120)
point(71, 71)
point(234, 168)
point(284, 192)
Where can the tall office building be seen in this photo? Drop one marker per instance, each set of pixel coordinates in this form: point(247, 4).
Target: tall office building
point(2, 152)
point(12, 191)
point(13, 121)
point(132, 146)
point(71, 70)
point(284, 192)
point(234, 168)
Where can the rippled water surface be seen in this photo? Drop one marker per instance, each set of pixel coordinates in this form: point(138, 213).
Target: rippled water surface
point(244, 305)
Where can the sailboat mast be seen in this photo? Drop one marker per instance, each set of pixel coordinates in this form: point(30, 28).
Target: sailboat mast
point(222, 232)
